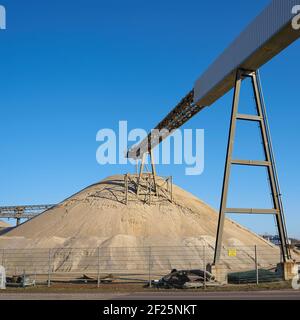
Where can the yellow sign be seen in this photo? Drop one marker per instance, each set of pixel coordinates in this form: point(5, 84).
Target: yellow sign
point(231, 252)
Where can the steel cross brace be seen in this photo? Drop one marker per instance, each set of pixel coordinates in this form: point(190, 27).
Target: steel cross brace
point(268, 162)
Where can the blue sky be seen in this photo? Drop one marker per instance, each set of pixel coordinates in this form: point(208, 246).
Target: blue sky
point(70, 68)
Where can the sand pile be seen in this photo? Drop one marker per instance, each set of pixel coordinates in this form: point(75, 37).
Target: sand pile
point(97, 217)
point(4, 225)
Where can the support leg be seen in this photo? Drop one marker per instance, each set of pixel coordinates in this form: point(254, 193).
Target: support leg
point(153, 171)
point(271, 171)
point(268, 162)
point(140, 174)
point(227, 168)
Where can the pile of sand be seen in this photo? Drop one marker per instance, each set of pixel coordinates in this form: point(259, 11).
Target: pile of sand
point(98, 217)
point(4, 225)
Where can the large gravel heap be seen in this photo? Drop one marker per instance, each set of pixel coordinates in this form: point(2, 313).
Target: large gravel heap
point(98, 217)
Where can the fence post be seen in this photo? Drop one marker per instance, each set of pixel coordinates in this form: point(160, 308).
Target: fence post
point(2, 258)
point(23, 280)
point(49, 268)
point(126, 188)
point(34, 277)
point(171, 189)
point(256, 265)
point(98, 277)
point(204, 266)
point(149, 260)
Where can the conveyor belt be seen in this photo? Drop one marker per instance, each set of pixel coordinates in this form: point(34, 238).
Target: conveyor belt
point(269, 34)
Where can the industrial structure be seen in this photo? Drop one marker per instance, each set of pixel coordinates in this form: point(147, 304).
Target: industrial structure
point(269, 34)
point(23, 212)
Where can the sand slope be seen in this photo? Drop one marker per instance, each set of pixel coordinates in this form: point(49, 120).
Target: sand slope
point(97, 217)
point(98, 212)
point(3, 224)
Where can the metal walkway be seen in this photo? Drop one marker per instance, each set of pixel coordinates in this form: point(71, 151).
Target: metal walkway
point(23, 212)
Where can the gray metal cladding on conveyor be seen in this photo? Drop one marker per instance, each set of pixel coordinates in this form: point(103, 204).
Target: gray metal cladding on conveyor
point(249, 50)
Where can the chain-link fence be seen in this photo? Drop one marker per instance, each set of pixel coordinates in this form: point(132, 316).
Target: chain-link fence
point(241, 264)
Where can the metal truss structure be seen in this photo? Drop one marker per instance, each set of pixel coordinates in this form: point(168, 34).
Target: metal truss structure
point(150, 191)
point(269, 34)
point(181, 114)
point(23, 212)
point(268, 162)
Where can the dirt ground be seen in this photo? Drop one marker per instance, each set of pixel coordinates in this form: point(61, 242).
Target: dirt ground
point(129, 288)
